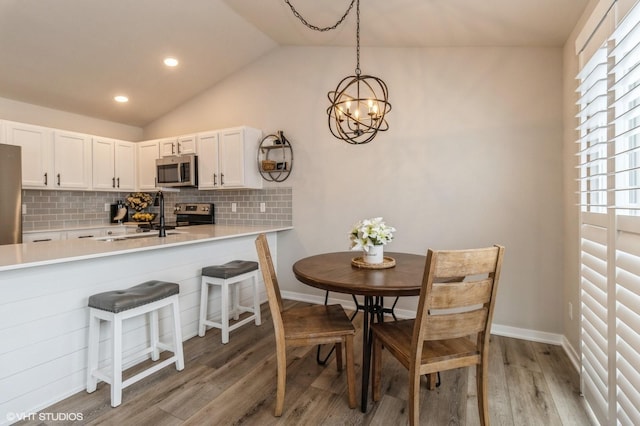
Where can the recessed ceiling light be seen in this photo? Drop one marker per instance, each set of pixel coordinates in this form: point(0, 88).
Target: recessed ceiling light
point(121, 99)
point(170, 62)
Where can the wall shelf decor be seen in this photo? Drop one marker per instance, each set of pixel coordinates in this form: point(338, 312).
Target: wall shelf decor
point(275, 157)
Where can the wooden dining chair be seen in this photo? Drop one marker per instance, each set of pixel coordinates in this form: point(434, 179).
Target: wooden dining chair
point(449, 312)
point(306, 326)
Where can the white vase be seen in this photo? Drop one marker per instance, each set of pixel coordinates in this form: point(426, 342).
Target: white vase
point(374, 255)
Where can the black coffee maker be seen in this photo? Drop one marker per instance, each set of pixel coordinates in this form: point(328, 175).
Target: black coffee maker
point(119, 212)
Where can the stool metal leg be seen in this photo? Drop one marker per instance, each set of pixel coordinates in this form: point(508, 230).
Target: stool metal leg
point(204, 297)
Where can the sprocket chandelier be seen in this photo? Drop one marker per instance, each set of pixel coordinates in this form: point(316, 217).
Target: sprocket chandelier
point(359, 104)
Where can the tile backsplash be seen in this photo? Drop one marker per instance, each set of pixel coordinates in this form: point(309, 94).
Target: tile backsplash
point(69, 209)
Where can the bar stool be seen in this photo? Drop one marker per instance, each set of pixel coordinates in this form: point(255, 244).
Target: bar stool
point(225, 275)
point(116, 306)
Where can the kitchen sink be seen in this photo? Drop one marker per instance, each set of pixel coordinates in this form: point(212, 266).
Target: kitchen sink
point(135, 236)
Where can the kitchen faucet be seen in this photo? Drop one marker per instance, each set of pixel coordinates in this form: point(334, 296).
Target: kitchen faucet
point(162, 232)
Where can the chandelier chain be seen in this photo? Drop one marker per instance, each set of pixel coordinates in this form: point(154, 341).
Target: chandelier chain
point(358, 38)
point(315, 27)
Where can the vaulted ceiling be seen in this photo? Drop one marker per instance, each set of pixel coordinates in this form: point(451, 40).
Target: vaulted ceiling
point(76, 55)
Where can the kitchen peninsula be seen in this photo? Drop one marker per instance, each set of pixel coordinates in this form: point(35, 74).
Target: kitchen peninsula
point(45, 287)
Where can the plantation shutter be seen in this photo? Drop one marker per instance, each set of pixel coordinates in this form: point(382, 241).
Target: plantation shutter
point(625, 79)
point(593, 159)
point(609, 197)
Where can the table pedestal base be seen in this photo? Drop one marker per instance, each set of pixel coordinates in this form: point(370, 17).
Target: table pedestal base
point(373, 309)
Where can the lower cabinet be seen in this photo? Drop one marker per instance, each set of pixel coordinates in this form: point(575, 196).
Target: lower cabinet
point(102, 231)
point(37, 237)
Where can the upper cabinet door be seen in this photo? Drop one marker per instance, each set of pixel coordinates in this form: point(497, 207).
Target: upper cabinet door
point(125, 165)
point(208, 169)
point(148, 153)
point(103, 164)
point(37, 153)
point(114, 164)
point(168, 147)
point(72, 160)
point(231, 158)
point(187, 145)
point(238, 150)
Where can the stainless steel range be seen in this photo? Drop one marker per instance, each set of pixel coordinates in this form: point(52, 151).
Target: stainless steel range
point(189, 214)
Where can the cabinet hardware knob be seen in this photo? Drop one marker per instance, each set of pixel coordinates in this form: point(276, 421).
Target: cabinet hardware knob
point(215, 179)
point(58, 179)
point(46, 179)
point(118, 182)
point(113, 182)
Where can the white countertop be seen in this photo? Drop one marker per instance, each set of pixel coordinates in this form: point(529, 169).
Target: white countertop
point(17, 256)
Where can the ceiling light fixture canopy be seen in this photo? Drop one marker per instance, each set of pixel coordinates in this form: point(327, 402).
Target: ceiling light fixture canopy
point(360, 103)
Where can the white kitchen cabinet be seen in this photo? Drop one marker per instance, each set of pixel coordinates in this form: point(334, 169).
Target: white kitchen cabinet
point(37, 237)
point(84, 233)
point(237, 158)
point(148, 153)
point(72, 160)
point(208, 165)
point(114, 164)
point(227, 158)
point(37, 153)
point(178, 146)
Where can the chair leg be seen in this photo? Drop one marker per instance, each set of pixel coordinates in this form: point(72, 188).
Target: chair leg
point(338, 347)
point(281, 360)
point(376, 361)
point(235, 302)
point(482, 375)
point(154, 335)
point(432, 380)
point(177, 336)
point(256, 299)
point(351, 374)
point(224, 312)
point(204, 298)
point(414, 397)
point(94, 343)
point(116, 362)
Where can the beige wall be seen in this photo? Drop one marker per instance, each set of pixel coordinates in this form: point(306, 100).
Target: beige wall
point(473, 157)
point(42, 116)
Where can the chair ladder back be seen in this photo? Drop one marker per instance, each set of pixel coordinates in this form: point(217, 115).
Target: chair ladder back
point(452, 308)
point(271, 284)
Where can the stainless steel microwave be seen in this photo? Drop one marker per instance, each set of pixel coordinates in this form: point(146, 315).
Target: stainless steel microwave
point(179, 170)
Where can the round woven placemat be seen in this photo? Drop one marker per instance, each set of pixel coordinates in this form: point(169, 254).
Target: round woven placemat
point(387, 262)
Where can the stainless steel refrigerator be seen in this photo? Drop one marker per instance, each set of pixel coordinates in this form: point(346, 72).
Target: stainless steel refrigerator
point(10, 194)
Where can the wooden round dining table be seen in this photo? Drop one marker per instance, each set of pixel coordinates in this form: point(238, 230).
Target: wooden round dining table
point(335, 272)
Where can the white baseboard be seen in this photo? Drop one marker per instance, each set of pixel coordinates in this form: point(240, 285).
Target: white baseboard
point(497, 329)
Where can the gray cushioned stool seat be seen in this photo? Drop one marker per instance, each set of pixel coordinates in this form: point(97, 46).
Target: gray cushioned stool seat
point(121, 300)
point(230, 269)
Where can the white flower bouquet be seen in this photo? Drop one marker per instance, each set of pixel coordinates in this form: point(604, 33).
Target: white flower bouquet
point(370, 232)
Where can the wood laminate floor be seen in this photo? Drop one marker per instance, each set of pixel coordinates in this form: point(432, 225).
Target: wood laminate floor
point(234, 384)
